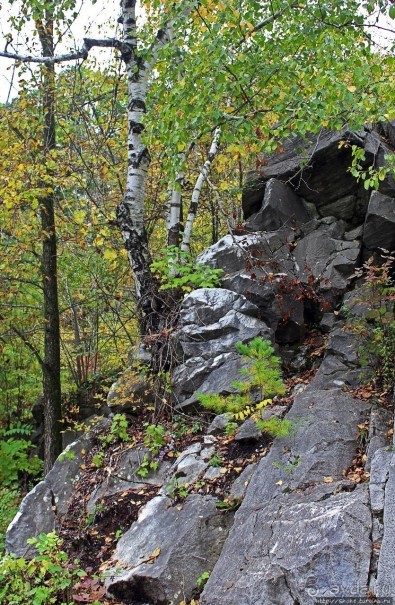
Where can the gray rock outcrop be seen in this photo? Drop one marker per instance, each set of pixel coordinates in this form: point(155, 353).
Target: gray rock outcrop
point(212, 321)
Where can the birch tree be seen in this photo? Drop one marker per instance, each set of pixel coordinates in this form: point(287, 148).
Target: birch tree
point(199, 70)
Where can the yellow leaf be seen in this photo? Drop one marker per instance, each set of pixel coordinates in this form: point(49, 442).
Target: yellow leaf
point(279, 482)
point(79, 217)
point(109, 254)
point(352, 88)
point(328, 479)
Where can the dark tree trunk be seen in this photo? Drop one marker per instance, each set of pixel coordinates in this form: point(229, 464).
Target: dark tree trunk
point(51, 362)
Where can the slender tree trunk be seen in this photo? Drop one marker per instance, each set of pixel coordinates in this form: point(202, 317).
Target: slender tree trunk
point(51, 362)
point(186, 240)
point(130, 212)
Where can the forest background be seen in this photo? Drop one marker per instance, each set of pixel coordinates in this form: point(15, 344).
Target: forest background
point(106, 162)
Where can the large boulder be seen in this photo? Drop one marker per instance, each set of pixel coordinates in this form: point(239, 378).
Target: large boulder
point(317, 169)
point(212, 321)
point(324, 258)
point(281, 207)
point(161, 557)
point(301, 530)
point(313, 545)
point(289, 275)
point(42, 506)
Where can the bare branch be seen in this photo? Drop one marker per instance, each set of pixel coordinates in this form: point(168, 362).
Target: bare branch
point(89, 43)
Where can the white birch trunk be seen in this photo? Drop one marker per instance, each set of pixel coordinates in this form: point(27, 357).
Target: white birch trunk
point(186, 240)
point(174, 219)
point(131, 211)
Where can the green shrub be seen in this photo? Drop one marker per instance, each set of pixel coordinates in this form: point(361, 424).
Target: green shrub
point(377, 326)
point(15, 458)
point(264, 373)
point(154, 440)
point(10, 499)
point(45, 579)
point(178, 270)
point(118, 430)
point(264, 378)
point(276, 427)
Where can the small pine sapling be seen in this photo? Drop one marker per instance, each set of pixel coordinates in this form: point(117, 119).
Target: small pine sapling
point(263, 376)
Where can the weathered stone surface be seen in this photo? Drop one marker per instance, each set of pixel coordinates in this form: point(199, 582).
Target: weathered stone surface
point(198, 375)
point(189, 540)
point(212, 321)
point(344, 344)
point(343, 208)
point(239, 487)
point(270, 555)
point(388, 130)
point(50, 498)
point(248, 431)
point(124, 476)
point(379, 473)
point(35, 515)
point(261, 267)
point(218, 425)
point(316, 167)
point(323, 256)
point(379, 425)
point(385, 584)
point(327, 322)
point(353, 234)
point(233, 253)
point(281, 207)
point(379, 229)
point(309, 546)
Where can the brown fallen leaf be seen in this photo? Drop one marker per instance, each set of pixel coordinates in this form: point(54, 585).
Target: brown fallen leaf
point(151, 558)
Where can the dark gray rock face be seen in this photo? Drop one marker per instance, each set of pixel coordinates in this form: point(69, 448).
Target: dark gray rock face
point(385, 584)
point(310, 546)
point(281, 207)
point(326, 257)
point(316, 168)
point(248, 431)
point(186, 540)
point(379, 228)
point(286, 274)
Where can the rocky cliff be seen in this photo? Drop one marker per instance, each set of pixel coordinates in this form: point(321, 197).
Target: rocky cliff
point(315, 509)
